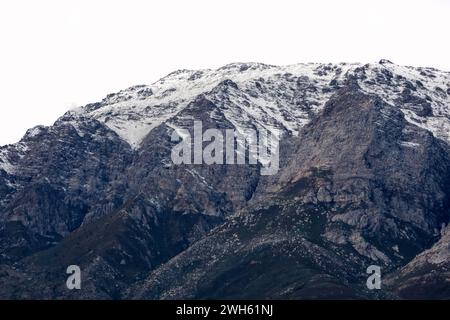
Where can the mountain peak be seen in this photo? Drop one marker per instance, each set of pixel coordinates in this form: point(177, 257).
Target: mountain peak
point(385, 61)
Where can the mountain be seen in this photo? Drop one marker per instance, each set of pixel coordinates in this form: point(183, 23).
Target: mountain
point(363, 179)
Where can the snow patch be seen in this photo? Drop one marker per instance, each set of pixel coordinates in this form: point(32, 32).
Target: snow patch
point(4, 163)
point(409, 144)
point(391, 82)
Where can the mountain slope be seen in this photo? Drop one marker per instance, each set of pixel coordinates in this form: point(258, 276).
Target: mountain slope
point(331, 213)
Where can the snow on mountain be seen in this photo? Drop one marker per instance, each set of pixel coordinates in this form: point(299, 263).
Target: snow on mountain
point(4, 162)
point(266, 93)
point(428, 88)
point(278, 98)
point(9, 152)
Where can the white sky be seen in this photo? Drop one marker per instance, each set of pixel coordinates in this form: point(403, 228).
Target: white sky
point(55, 55)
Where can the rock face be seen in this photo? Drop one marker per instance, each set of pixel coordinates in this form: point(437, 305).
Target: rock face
point(364, 179)
point(427, 275)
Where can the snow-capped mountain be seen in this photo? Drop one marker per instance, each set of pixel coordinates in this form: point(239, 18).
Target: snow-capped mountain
point(278, 98)
point(364, 178)
point(262, 93)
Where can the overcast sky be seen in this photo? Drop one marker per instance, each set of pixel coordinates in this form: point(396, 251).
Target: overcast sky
point(55, 55)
